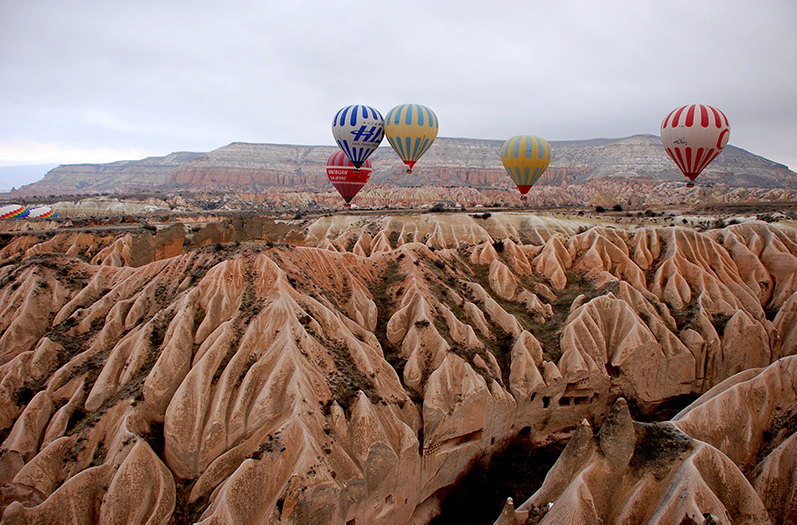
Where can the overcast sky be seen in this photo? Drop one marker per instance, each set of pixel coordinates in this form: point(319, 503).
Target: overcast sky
point(99, 80)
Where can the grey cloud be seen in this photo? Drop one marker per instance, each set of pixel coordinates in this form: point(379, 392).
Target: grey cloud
point(165, 76)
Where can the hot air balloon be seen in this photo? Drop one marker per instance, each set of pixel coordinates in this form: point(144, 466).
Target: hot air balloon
point(411, 130)
point(693, 136)
point(41, 212)
point(358, 130)
point(525, 158)
point(13, 211)
point(347, 179)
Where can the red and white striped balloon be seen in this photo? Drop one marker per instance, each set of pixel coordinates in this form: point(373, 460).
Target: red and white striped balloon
point(693, 136)
point(347, 179)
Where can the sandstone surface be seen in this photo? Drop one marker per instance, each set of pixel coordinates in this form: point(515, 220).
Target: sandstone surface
point(352, 367)
point(728, 457)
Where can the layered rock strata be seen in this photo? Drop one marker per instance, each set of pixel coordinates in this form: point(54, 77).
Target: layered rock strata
point(632, 166)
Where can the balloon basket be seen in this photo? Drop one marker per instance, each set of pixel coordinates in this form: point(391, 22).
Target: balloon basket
point(690, 184)
point(347, 205)
point(523, 198)
point(409, 170)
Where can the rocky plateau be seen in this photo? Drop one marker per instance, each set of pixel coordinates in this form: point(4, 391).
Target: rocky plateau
point(631, 172)
point(353, 368)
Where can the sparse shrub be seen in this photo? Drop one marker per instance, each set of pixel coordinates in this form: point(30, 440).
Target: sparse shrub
point(199, 316)
point(599, 209)
point(617, 207)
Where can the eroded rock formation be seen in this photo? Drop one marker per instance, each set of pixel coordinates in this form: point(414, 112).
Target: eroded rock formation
point(729, 456)
point(351, 367)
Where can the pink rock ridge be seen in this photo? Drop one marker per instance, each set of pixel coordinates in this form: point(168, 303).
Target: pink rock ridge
point(354, 372)
point(730, 456)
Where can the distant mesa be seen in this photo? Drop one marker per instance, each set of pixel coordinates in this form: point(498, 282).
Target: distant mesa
point(451, 163)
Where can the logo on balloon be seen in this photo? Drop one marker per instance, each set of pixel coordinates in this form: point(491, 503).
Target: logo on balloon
point(358, 130)
point(370, 135)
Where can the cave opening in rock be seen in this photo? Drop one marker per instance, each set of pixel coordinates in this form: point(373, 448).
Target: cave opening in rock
point(516, 471)
point(664, 411)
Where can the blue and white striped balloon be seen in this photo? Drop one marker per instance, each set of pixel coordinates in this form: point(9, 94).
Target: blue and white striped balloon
point(358, 130)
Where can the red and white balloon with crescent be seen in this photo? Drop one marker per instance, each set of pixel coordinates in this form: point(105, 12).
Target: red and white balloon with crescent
point(693, 136)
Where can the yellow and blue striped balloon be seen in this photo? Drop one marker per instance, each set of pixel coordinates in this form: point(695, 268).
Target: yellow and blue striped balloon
point(411, 130)
point(525, 158)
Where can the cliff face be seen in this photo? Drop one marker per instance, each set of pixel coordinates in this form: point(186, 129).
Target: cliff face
point(727, 458)
point(450, 162)
point(254, 166)
point(352, 367)
point(115, 176)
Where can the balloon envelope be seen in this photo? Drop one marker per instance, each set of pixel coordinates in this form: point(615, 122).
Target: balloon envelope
point(358, 130)
point(411, 129)
point(525, 158)
point(13, 211)
point(693, 136)
point(347, 179)
point(41, 212)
